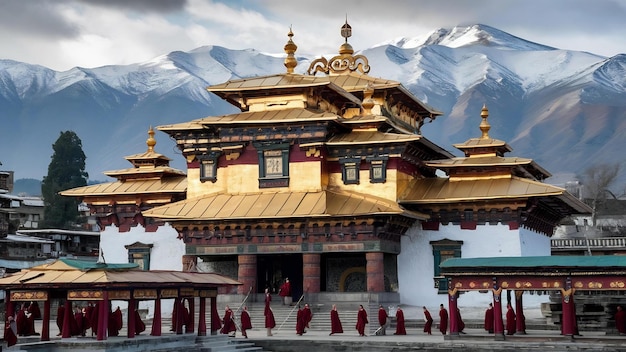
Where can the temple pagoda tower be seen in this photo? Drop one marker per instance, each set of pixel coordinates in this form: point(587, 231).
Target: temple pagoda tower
point(303, 182)
point(489, 205)
point(118, 209)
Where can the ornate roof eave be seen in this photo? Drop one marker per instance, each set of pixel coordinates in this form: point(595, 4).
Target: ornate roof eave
point(169, 185)
point(369, 137)
point(443, 190)
point(159, 171)
point(285, 205)
point(259, 86)
point(293, 115)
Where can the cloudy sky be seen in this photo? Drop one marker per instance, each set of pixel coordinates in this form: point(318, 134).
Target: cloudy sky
point(62, 34)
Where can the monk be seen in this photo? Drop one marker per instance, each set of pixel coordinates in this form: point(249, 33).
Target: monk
point(115, 322)
point(428, 321)
point(270, 322)
point(510, 320)
point(620, 321)
point(299, 322)
point(60, 315)
point(216, 323)
point(140, 326)
point(229, 324)
point(10, 332)
point(33, 309)
point(443, 319)
point(285, 292)
point(246, 323)
point(489, 321)
point(400, 327)
point(335, 323)
point(361, 320)
point(307, 316)
point(459, 321)
point(382, 320)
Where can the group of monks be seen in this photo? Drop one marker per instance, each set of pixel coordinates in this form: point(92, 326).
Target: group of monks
point(87, 317)
point(23, 324)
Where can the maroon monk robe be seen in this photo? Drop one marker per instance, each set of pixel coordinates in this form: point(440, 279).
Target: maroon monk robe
point(140, 326)
point(443, 320)
point(307, 315)
point(299, 322)
point(620, 320)
point(382, 318)
point(270, 322)
point(33, 309)
point(361, 321)
point(115, 323)
point(489, 319)
point(335, 323)
point(60, 315)
point(429, 322)
point(229, 324)
point(246, 323)
point(510, 321)
point(400, 328)
point(10, 331)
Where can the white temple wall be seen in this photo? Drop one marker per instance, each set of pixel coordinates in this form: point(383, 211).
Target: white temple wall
point(416, 261)
point(166, 254)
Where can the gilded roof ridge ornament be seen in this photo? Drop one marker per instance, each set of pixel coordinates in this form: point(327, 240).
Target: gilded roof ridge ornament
point(484, 124)
point(290, 48)
point(151, 142)
point(345, 62)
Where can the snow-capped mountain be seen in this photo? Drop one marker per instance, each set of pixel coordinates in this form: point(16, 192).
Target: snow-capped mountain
point(565, 109)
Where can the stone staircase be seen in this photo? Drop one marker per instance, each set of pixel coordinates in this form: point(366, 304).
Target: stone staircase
point(285, 315)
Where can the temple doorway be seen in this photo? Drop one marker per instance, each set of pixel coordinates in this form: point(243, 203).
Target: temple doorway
point(274, 269)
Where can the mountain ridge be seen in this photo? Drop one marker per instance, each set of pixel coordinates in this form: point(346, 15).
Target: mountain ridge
point(565, 109)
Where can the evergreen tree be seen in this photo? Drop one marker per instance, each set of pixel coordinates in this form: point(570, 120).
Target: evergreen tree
point(66, 170)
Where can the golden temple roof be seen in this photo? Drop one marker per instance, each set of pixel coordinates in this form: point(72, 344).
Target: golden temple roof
point(489, 160)
point(176, 184)
point(443, 190)
point(103, 275)
point(484, 142)
point(370, 137)
point(255, 117)
point(278, 205)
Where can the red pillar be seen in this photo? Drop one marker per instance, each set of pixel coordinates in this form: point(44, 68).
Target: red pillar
point(192, 315)
point(498, 328)
point(202, 317)
point(103, 317)
point(45, 323)
point(453, 313)
point(214, 316)
point(130, 318)
point(156, 320)
point(311, 272)
point(520, 321)
point(567, 299)
point(375, 269)
point(246, 272)
point(67, 315)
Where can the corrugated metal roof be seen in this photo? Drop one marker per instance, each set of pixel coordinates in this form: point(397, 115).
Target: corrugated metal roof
point(64, 272)
point(443, 190)
point(255, 117)
point(283, 80)
point(501, 263)
point(277, 205)
point(133, 186)
point(480, 161)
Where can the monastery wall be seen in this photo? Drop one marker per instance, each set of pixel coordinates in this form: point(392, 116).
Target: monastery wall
point(416, 261)
point(166, 254)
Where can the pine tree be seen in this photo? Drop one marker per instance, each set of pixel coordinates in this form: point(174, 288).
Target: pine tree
point(66, 170)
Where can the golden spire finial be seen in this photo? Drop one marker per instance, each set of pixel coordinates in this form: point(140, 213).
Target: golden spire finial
point(484, 125)
point(151, 142)
point(290, 49)
point(346, 31)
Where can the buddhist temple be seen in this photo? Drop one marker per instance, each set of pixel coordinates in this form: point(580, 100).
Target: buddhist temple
point(325, 178)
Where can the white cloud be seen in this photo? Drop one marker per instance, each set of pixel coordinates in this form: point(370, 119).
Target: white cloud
point(66, 33)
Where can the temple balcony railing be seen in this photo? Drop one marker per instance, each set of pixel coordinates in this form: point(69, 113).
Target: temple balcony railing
point(582, 243)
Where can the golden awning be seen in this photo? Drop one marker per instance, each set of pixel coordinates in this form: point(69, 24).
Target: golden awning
point(278, 205)
point(134, 186)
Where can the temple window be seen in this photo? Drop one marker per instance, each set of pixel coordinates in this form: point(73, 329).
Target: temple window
point(139, 253)
point(208, 167)
point(273, 165)
point(350, 168)
point(378, 169)
point(443, 250)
